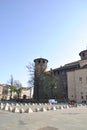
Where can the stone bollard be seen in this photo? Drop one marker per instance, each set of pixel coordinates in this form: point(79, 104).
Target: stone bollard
point(43, 109)
point(17, 110)
point(22, 110)
point(37, 109)
point(28, 110)
point(33, 104)
point(40, 104)
point(12, 104)
point(67, 106)
point(17, 104)
point(53, 108)
point(48, 108)
point(25, 104)
point(7, 108)
point(12, 108)
point(57, 107)
point(61, 107)
point(2, 106)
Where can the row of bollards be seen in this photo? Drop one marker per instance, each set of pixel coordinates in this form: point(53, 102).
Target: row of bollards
point(29, 108)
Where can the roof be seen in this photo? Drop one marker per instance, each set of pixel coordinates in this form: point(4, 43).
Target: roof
point(40, 59)
point(73, 65)
point(82, 52)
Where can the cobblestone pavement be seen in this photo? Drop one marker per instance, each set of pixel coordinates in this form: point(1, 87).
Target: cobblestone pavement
point(66, 119)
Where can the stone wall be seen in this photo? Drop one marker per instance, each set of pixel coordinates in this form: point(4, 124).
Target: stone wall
point(77, 85)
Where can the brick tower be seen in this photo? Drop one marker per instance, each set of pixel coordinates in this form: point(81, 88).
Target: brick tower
point(83, 55)
point(40, 68)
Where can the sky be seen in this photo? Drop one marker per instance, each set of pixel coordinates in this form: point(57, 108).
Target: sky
point(30, 29)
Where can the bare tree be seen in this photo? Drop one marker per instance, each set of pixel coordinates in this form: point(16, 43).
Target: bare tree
point(31, 68)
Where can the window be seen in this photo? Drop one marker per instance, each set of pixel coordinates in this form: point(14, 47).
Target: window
point(86, 97)
point(83, 54)
point(58, 72)
point(81, 97)
point(38, 61)
point(80, 79)
point(86, 79)
point(43, 61)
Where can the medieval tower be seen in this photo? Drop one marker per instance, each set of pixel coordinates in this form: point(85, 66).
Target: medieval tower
point(40, 68)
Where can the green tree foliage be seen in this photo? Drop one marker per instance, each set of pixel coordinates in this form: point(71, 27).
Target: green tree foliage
point(17, 87)
point(12, 88)
point(46, 82)
point(50, 82)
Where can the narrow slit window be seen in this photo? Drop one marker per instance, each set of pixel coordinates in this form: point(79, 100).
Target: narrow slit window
point(80, 79)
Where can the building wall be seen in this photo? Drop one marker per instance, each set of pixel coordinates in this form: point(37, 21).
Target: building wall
point(83, 63)
point(71, 85)
point(1, 89)
point(77, 85)
point(62, 84)
point(24, 92)
point(4, 92)
point(27, 92)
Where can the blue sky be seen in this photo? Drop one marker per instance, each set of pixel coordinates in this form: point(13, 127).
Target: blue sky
point(29, 29)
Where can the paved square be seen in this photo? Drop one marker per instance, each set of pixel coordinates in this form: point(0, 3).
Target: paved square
point(61, 119)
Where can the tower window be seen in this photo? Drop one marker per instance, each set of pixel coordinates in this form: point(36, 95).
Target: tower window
point(38, 61)
point(83, 54)
point(58, 72)
point(43, 61)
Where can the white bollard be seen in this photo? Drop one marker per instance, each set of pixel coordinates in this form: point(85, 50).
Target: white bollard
point(53, 108)
point(37, 109)
point(17, 110)
point(48, 108)
point(43, 109)
point(2, 106)
point(28, 110)
point(12, 108)
point(7, 107)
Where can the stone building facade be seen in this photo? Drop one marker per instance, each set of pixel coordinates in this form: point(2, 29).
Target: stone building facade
point(26, 92)
point(61, 73)
point(72, 79)
point(77, 80)
point(5, 92)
